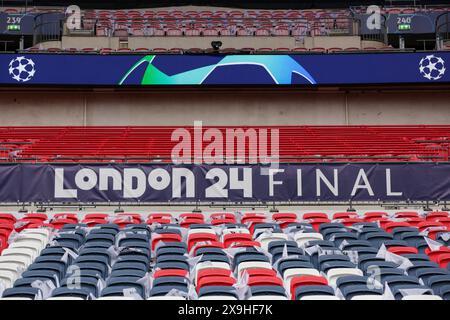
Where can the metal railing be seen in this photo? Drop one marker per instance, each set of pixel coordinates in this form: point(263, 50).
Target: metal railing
point(229, 26)
point(442, 29)
point(47, 30)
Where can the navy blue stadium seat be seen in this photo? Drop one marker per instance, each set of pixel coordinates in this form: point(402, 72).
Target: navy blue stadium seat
point(112, 226)
point(217, 290)
point(67, 292)
point(171, 251)
point(21, 292)
point(172, 265)
point(437, 282)
point(164, 290)
point(336, 264)
point(356, 290)
point(277, 252)
point(303, 291)
point(88, 283)
point(118, 290)
point(267, 290)
point(355, 244)
point(348, 281)
point(128, 273)
point(214, 257)
point(419, 265)
point(208, 251)
point(444, 292)
point(398, 294)
point(379, 264)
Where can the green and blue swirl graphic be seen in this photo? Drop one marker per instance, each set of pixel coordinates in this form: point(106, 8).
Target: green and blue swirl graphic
point(279, 67)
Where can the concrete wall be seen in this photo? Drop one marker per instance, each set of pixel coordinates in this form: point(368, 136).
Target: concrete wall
point(205, 42)
point(222, 108)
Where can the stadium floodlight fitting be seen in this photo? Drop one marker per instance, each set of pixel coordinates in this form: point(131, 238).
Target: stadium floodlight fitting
point(216, 45)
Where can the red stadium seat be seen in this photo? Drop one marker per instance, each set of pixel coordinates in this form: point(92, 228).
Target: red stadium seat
point(443, 260)
point(317, 222)
point(444, 221)
point(403, 250)
point(228, 239)
point(210, 32)
point(259, 272)
point(253, 217)
point(429, 224)
point(406, 214)
point(351, 221)
point(284, 216)
point(124, 50)
point(59, 223)
point(7, 217)
point(215, 281)
point(432, 233)
point(315, 215)
point(142, 50)
point(131, 216)
point(331, 50)
point(170, 273)
point(344, 215)
point(262, 33)
point(224, 215)
point(318, 50)
point(436, 215)
point(434, 254)
point(244, 244)
point(174, 32)
point(106, 50)
point(389, 226)
point(213, 272)
point(264, 281)
point(35, 216)
point(68, 216)
point(375, 215)
point(199, 238)
point(103, 216)
point(93, 222)
point(167, 237)
point(306, 281)
point(299, 50)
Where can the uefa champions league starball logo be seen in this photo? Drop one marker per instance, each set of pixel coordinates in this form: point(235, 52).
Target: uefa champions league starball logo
point(432, 67)
point(22, 69)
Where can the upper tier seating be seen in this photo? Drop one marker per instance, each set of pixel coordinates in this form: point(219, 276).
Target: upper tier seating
point(216, 22)
point(297, 144)
point(60, 257)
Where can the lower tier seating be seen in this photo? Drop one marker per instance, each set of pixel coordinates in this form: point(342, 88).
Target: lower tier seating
point(377, 255)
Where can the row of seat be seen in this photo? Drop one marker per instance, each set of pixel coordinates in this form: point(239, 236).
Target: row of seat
point(388, 220)
point(421, 219)
point(349, 258)
point(247, 50)
point(297, 144)
point(231, 13)
point(207, 14)
point(293, 29)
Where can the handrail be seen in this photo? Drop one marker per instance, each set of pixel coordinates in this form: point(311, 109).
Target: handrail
point(48, 30)
point(443, 33)
point(325, 25)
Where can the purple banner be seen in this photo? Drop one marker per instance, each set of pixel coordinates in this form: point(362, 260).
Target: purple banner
point(219, 183)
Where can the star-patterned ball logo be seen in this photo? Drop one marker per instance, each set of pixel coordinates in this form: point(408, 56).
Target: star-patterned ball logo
point(22, 69)
point(432, 67)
